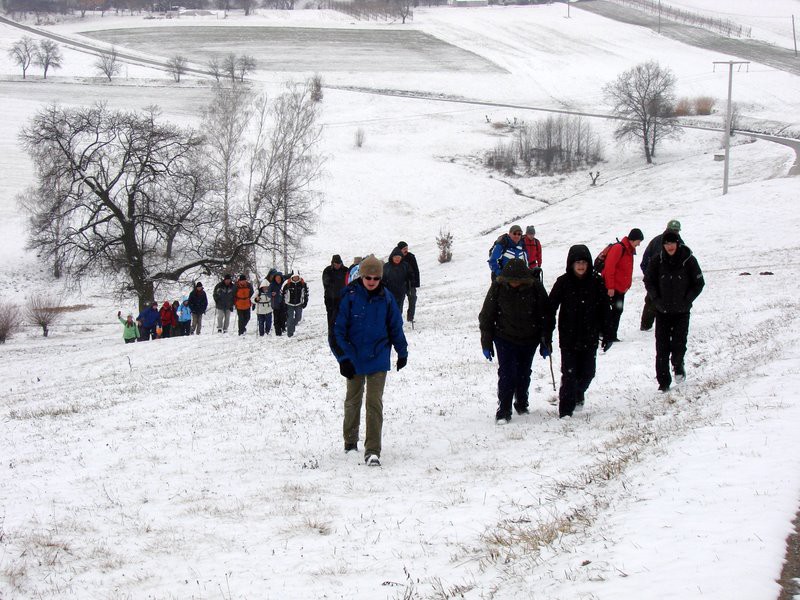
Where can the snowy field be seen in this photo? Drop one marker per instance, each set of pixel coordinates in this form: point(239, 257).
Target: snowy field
point(212, 466)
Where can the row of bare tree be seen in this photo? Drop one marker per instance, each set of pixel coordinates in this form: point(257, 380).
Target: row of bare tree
point(142, 202)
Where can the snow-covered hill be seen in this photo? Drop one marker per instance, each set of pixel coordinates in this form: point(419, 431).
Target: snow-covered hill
point(212, 466)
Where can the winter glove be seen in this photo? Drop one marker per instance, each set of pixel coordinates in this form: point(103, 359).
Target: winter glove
point(402, 361)
point(607, 343)
point(347, 369)
point(544, 349)
point(119, 314)
point(488, 354)
point(254, 305)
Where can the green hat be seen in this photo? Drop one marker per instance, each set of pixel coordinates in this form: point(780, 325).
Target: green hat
point(674, 225)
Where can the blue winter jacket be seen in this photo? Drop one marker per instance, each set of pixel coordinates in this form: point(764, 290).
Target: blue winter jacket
point(149, 317)
point(504, 250)
point(367, 326)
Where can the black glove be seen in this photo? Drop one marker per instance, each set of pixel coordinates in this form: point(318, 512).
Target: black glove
point(347, 369)
point(607, 343)
point(402, 361)
point(545, 349)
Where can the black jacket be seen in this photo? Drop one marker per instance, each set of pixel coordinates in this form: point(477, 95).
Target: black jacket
point(397, 277)
point(411, 261)
point(653, 248)
point(516, 314)
point(673, 282)
point(295, 293)
point(333, 281)
point(585, 310)
point(223, 295)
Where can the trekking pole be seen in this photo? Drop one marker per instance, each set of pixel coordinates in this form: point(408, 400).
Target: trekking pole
point(552, 375)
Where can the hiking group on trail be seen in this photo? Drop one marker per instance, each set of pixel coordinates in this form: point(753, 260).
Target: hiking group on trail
point(364, 306)
point(518, 316)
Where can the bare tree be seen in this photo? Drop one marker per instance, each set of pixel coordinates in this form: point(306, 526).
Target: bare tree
point(39, 311)
point(119, 174)
point(403, 9)
point(48, 56)
point(23, 52)
point(643, 97)
point(9, 320)
point(244, 65)
point(214, 67)
point(225, 121)
point(247, 6)
point(108, 64)
point(228, 66)
point(289, 170)
point(177, 66)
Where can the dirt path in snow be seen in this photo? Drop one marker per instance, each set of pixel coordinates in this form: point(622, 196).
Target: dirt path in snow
point(747, 49)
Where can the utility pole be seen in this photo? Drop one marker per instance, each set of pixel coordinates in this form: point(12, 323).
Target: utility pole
point(659, 16)
point(567, 2)
point(728, 116)
point(794, 37)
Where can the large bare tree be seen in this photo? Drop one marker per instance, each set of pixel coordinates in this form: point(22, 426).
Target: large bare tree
point(643, 98)
point(48, 56)
point(289, 169)
point(22, 52)
point(132, 199)
point(108, 63)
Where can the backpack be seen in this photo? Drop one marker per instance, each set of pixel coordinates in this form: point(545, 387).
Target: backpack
point(502, 240)
point(600, 260)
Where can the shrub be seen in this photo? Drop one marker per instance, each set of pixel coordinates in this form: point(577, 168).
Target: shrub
point(703, 105)
point(502, 158)
point(40, 313)
point(445, 243)
point(684, 107)
point(316, 88)
point(359, 137)
point(9, 320)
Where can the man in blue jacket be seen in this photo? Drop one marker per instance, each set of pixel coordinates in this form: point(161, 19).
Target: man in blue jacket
point(148, 320)
point(368, 324)
point(507, 247)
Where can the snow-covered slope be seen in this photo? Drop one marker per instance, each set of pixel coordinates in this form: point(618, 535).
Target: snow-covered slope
point(212, 466)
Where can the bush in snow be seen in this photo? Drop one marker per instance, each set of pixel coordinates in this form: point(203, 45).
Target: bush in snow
point(445, 243)
point(703, 105)
point(359, 138)
point(315, 83)
point(39, 311)
point(9, 320)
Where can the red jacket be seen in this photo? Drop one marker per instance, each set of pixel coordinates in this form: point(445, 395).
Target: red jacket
point(167, 315)
point(618, 271)
point(533, 249)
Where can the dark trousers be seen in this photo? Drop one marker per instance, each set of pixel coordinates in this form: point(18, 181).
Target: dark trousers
point(577, 371)
point(146, 333)
point(130, 340)
point(412, 303)
point(648, 314)
point(331, 308)
point(617, 305)
point(294, 314)
point(671, 333)
point(244, 319)
point(264, 324)
point(279, 320)
point(166, 331)
point(185, 326)
point(513, 375)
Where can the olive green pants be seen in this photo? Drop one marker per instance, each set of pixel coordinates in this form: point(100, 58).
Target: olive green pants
point(375, 383)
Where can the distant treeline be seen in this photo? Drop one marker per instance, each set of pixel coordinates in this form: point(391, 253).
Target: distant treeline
point(723, 26)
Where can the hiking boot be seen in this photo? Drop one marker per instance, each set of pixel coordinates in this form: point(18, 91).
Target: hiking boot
point(372, 460)
point(351, 447)
point(502, 420)
point(663, 388)
point(521, 410)
point(680, 374)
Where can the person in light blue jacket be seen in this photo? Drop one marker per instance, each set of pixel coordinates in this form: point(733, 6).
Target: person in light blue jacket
point(367, 325)
point(184, 313)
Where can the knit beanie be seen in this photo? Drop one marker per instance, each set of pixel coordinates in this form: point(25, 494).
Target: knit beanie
point(530, 229)
point(635, 234)
point(670, 237)
point(370, 266)
point(674, 225)
point(402, 245)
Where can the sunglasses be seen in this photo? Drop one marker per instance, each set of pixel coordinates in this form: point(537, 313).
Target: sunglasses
point(368, 278)
point(517, 233)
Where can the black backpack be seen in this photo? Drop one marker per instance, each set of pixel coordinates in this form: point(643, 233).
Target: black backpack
point(600, 260)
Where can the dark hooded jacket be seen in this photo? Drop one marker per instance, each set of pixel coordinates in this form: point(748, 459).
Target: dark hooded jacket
point(397, 277)
point(519, 314)
point(673, 282)
point(583, 301)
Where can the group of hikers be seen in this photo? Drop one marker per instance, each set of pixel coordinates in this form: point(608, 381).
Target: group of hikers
point(365, 301)
point(518, 315)
point(285, 300)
